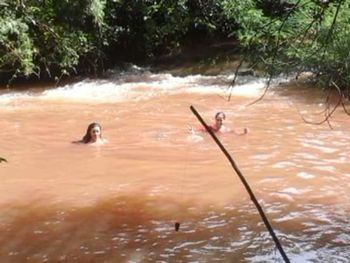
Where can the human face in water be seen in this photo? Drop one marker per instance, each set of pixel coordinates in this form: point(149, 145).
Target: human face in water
point(95, 133)
point(218, 122)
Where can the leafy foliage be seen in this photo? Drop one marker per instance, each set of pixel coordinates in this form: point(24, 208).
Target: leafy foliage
point(298, 36)
point(145, 26)
point(16, 47)
point(149, 28)
point(55, 37)
point(48, 36)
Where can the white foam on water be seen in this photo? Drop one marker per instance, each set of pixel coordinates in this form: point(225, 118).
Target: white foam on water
point(262, 156)
point(288, 217)
point(325, 168)
point(305, 175)
point(140, 85)
point(251, 89)
point(322, 149)
point(289, 193)
point(284, 164)
point(293, 190)
point(306, 155)
point(194, 138)
point(283, 196)
point(89, 91)
point(16, 98)
point(271, 180)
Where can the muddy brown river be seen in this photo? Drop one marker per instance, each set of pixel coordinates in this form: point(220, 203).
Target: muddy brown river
point(62, 202)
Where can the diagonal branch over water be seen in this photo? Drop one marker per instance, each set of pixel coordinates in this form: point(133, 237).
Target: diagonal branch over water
point(246, 185)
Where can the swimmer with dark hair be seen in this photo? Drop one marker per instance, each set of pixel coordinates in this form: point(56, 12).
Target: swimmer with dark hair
point(93, 135)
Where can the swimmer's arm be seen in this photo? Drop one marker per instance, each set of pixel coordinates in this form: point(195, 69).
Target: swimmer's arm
point(245, 131)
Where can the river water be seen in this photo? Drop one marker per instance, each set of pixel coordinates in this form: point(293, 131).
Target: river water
point(62, 202)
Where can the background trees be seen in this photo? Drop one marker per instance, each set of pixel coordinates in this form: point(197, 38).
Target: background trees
point(296, 36)
point(50, 37)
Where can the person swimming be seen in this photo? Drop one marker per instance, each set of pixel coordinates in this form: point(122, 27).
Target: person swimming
point(218, 126)
point(93, 135)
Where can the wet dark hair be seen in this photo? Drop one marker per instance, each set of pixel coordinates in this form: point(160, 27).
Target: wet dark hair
point(220, 113)
point(87, 136)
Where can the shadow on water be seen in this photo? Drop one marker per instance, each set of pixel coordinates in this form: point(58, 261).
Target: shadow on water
point(141, 229)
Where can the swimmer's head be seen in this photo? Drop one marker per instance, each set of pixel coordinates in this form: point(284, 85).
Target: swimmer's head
point(93, 132)
point(219, 118)
point(220, 115)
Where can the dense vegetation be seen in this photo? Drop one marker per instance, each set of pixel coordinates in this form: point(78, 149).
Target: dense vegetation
point(50, 38)
point(297, 36)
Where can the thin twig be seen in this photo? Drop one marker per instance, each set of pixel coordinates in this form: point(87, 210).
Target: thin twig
point(328, 113)
point(275, 53)
point(235, 77)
